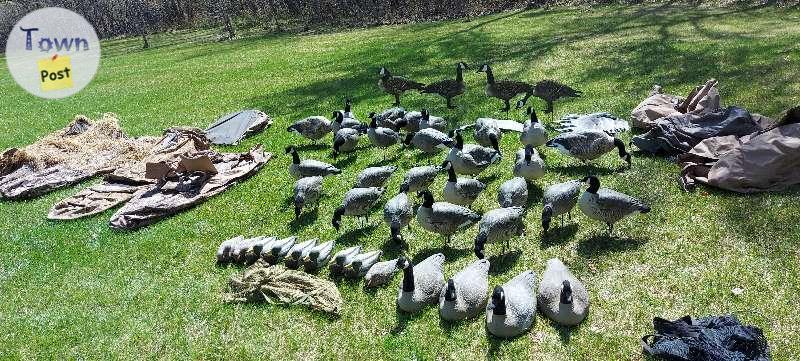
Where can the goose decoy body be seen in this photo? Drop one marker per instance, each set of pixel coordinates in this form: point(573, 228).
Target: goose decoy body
point(464, 295)
point(391, 118)
point(489, 131)
point(374, 176)
point(504, 90)
point(278, 249)
point(341, 121)
point(513, 193)
point(420, 178)
point(449, 88)
point(461, 191)
point(444, 218)
point(239, 249)
point(397, 213)
point(606, 205)
point(225, 248)
point(559, 199)
point(588, 145)
point(411, 121)
point(471, 159)
point(307, 191)
point(380, 273)
point(345, 140)
point(318, 256)
point(313, 128)
point(381, 137)
point(294, 258)
point(396, 85)
point(550, 91)
point(357, 202)
point(308, 167)
point(256, 248)
point(430, 121)
point(533, 133)
point(498, 225)
point(511, 310)
point(421, 283)
point(361, 264)
point(528, 164)
point(429, 140)
point(562, 297)
point(344, 257)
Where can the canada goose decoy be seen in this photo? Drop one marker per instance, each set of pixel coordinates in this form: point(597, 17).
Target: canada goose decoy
point(461, 191)
point(374, 176)
point(512, 307)
point(513, 193)
point(278, 249)
point(318, 256)
point(397, 213)
point(430, 121)
point(559, 199)
point(420, 178)
point(361, 264)
point(588, 145)
point(449, 88)
point(550, 91)
point(381, 137)
point(347, 112)
point(380, 273)
point(411, 121)
point(429, 140)
point(528, 164)
point(396, 85)
point(421, 283)
point(533, 133)
point(471, 159)
point(464, 295)
point(344, 257)
point(308, 167)
point(225, 248)
point(345, 140)
point(341, 121)
point(299, 251)
point(489, 131)
point(562, 297)
point(606, 205)
point(256, 248)
point(241, 248)
point(313, 128)
point(504, 90)
point(444, 218)
point(307, 192)
point(498, 225)
point(357, 202)
point(391, 118)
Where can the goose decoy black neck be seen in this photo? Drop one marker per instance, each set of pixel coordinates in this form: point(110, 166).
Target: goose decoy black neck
point(348, 104)
point(594, 184)
point(337, 218)
point(451, 173)
point(372, 122)
point(622, 152)
point(297, 209)
point(338, 117)
point(427, 198)
point(528, 154)
point(480, 245)
point(493, 140)
point(404, 188)
point(407, 140)
point(450, 291)
point(459, 140)
point(336, 144)
point(547, 217)
point(425, 115)
point(532, 113)
point(498, 303)
point(566, 293)
point(408, 274)
point(295, 157)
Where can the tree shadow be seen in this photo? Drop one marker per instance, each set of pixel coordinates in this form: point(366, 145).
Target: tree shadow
point(502, 263)
point(599, 245)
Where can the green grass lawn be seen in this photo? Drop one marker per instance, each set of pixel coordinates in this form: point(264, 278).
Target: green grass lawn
point(78, 290)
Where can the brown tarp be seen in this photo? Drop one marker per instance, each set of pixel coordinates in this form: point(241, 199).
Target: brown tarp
point(701, 100)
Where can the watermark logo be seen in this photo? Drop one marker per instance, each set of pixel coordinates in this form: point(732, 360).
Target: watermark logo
point(53, 53)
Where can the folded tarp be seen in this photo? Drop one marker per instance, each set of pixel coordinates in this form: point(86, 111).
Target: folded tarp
point(233, 127)
point(703, 99)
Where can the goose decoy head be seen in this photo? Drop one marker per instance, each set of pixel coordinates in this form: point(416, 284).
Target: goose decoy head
point(425, 115)
point(337, 218)
point(459, 139)
point(498, 302)
point(484, 68)
point(312, 256)
point(566, 293)
point(520, 104)
point(338, 117)
point(450, 291)
point(594, 183)
point(528, 153)
point(403, 263)
point(384, 72)
point(404, 188)
point(290, 149)
point(622, 153)
point(394, 232)
point(547, 217)
point(427, 198)
point(462, 65)
point(408, 138)
point(480, 245)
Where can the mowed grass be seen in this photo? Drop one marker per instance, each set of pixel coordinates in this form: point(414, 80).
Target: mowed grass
point(78, 290)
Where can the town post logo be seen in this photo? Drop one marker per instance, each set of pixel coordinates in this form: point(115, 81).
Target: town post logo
point(53, 53)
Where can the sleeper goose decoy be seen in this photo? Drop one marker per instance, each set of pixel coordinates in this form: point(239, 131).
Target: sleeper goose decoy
point(278, 249)
point(396, 85)
point(533, 132)
point(512, 307)
point(397, 213)
point(488, 131)
point(361, 264)
point(449, 88)
point(381, 137)
point(341, 121)
point(313, 128)
point(559, 199)
point(421, 283)
point(420, 178)
point(513, 193)
point(344, 257)
point(503, 89)
point(299, 251)
point(464, 295)
point(606, 205)
point(471, 159)
point(411, 121)
point(498, 225)
point(307, 192)
point(430, 121)
point(225, 248)
point(444, 218)
point(318, 256)
point(308, 167)
point(461, 191)
point(429, 140)
point(562, 297)
point(357, 202)
point(588, 145)
point(528, 164)
point(380, 273)
point(550, 91)
point(374, 176)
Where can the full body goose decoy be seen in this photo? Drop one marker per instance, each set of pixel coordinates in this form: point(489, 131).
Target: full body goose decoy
point(498, 225)
point(299, 251)
point(341, 121)
point(559, 199)
point(357, 202)
point(588, 145)
point(464, 295)
point(381, 273)
point(444, 218)
point(397, 213)
point(504, 90)
point(420, 178)
point(606, 205)
point(562, 297)
point(318, 256)
point(381, 137)
point(313, 128)
point(471, 159)
point(374, 176)
point(533, 133)
point(528, 164)
point(361, 264)
point(345, 140)
point(307, 191)
point(343, 258)
point(421, 283)
point(512, 307)
point(513, 193)
point(429, 140)
point(308, 167)
point(396, 85)
point(461, 191)
point(449, 88)
point(550, 91)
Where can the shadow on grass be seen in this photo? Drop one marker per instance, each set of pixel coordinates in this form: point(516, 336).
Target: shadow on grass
point(559, 235)
point(352, 236)
point(402, 319)
point(502, 263)
point(449, 253)
point(307, 218)
point(599, 245)
point(312, 147)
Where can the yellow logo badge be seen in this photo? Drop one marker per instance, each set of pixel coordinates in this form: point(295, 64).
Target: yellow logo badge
point(55, 73)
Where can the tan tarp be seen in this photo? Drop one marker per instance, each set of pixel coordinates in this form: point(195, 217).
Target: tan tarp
point(701, 100)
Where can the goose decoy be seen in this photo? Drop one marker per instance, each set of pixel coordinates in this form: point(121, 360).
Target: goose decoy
point(550, 91)
point(381, 137)
point(345, 141)
point(307, 192)
point(471, 159)
point(444, 218)
point(380, 273)
point(562, 297)
point(347, 112)
point(430, 121)
point(318, 256)
point(361, 264)
point(503, 89)
point(396, 85)
point(559, 199)
point(313, 128)
point(488, 131)
point(421, 283)
point(239, 249)
point(344, 257)
point(374, 176)
point(513, 193)
point(420, 178)
point(429, 140)
point(449, 88)
point(411, 121)
point(460, 191)
point(256, 248)
point(533, 133)
point(606, 205)
point(341, 121)
point(278, 249)
point(464, 295)
point(512, 307)
point(308, 167)
point(391, 118)
point(397, 213)
point(498, 225)
point(225, 248)
point(357, 202)
point(528, 164)
point(588, 145)
point(299, 251)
